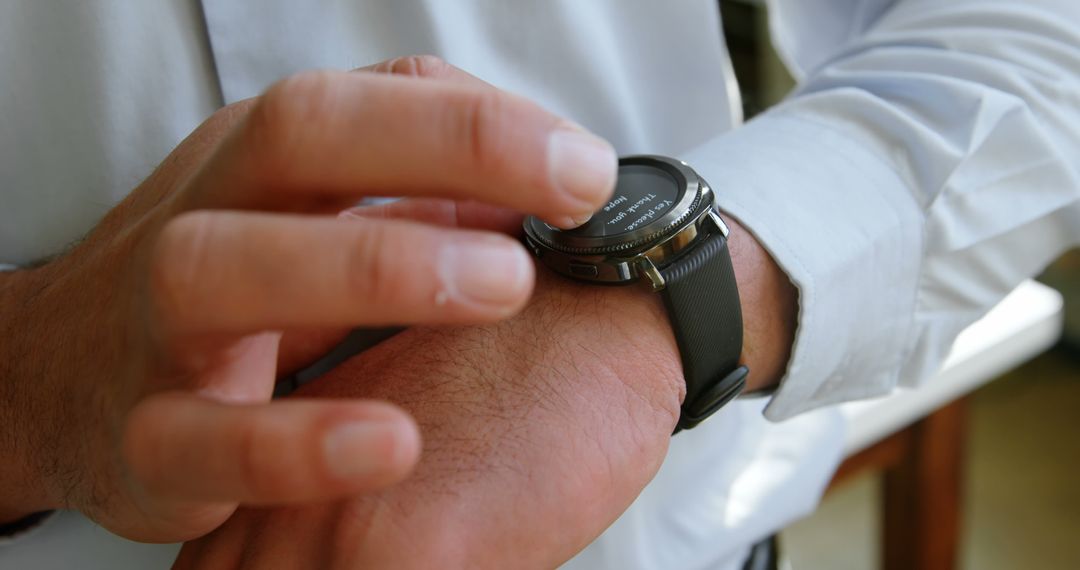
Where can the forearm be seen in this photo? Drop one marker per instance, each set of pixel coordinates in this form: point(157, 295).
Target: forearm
point(20, 490)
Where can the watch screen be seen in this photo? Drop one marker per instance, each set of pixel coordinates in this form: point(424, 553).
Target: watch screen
point(642, 195)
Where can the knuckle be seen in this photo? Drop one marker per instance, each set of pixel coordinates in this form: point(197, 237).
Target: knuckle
point(249, 462)
point(179, 257)
point(291, 112)
point(234, 113)
point(369, 271)
point(478, 128)
point(137, 445)
point(299, 98)
point(229, 115)
point(257, 473)
point(420, 66)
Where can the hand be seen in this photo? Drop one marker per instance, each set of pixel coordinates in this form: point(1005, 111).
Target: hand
point(538, 431)
point(137, 367)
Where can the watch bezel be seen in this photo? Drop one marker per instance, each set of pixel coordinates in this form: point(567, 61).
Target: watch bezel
point(626, 258)
point(690, 196)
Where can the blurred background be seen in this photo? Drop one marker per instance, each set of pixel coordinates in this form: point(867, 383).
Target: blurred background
point(1020, 456)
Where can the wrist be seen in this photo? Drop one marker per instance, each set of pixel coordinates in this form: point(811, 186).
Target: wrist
point(769, 307)
point(628, 333)
point(641, 331)
point(661, 227)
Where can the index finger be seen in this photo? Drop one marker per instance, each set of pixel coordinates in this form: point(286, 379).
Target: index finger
point(323, 136)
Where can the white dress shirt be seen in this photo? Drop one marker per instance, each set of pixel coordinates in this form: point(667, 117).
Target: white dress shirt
point(926, 165)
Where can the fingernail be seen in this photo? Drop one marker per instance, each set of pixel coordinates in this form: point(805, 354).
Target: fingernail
point(571, 222)
point(357, 449)
point(493, 271)
point(583, 166)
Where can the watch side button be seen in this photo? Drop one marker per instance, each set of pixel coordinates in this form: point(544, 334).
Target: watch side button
point(584, 270)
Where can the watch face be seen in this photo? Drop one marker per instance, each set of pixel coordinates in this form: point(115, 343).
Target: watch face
point(642, 195)
point(655, 199)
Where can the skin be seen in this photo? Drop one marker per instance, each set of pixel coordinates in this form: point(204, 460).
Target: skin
point(538, 430)
point(136, 369)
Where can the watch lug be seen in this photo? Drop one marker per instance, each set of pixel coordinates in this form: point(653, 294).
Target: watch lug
point(647, 268)
point(718, 222)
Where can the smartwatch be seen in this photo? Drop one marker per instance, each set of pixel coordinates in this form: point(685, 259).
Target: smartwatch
point(661, 226)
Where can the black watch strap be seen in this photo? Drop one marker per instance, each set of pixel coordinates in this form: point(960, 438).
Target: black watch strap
point(702, 301)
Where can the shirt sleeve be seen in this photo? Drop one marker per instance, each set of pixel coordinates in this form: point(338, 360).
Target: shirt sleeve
point(925, 166)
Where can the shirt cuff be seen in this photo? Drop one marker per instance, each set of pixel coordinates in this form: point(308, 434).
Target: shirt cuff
point(845, 228)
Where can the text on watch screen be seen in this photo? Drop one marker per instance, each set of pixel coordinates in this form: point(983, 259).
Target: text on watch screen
point(642, 195)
